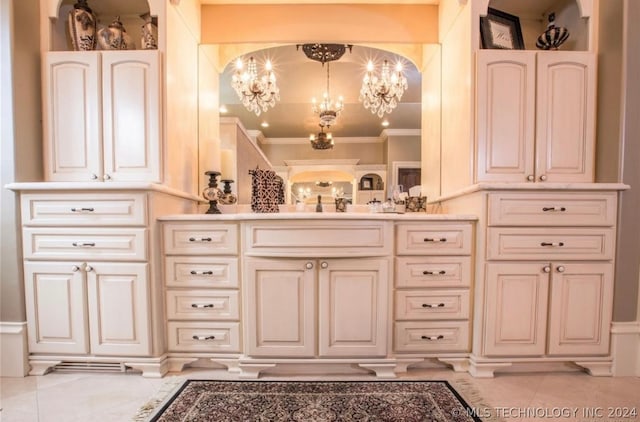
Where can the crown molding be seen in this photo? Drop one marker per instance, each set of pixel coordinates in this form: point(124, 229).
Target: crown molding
point(401, 132)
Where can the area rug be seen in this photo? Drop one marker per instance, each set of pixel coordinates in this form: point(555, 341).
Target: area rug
point(402, 401)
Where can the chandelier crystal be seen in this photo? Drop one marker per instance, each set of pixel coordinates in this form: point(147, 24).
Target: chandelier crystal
point(382, 94)
point(257, 92)
point(323, 140)
point(327, 109)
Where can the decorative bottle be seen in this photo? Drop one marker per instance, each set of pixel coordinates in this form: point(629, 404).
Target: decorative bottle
point(319, 204)
point(149, 39)
point(114, 37)
point(81, 24)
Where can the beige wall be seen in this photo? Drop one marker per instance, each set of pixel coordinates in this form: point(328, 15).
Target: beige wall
point(21, 135)
point(403, 148)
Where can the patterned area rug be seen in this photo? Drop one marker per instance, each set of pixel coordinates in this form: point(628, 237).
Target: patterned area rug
point(402, 401)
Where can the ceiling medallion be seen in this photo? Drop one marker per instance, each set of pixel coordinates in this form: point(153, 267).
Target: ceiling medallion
point(324, 53)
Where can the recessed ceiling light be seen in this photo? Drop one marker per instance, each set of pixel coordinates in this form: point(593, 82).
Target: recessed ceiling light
point(264, 124)
point(385, 123)
point(223, 109)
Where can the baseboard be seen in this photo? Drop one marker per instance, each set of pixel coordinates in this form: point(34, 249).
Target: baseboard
point(14, 352)
point(625, 348)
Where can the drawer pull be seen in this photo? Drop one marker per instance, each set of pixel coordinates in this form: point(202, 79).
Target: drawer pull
point(427, 272)
point(202, 239)
point(193, 272)
point(431, 239)
point(202, 306)
point(82, 209)
point(433, 305)
point(431, 338)
point(203, 338)
point(84, 244)
point(561, 209)
point(552, 244)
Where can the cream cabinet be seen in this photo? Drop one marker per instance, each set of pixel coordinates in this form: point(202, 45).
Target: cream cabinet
point(432, 289)
point(366, 196)
point(535, 116)
point(103, 116)
point(555, 309)
point(348, 295)
point(201, 291)
point(98, 308)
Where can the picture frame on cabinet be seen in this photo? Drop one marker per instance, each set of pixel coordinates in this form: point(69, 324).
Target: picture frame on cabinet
point(366, 183)
point(501, 30)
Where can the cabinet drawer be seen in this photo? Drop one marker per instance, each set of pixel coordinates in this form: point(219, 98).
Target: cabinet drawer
point(318, 238)
point(85, 243)
point(84, 209)
point(200, 239)
point(202, 304)
point(437, 336)
point(203, 336)
point(432, 304)
point(425, 271)
point(433, 239)
point(543, 243)
point(552, 209)
point(201, 271)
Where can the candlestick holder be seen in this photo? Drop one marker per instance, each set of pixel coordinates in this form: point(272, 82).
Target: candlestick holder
point(212, 193)
point(227, 198)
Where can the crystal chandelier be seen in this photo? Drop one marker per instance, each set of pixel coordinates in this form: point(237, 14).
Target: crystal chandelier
point(327, 109)
point(322, 140)
point(257, 93)
point(382, 94)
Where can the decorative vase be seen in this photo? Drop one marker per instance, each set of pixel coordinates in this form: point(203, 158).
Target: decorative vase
point(81, 24)
point(553, 37)
point(114, 37)
point(149, 39)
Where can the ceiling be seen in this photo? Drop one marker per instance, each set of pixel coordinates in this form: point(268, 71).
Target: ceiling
point(300, 79)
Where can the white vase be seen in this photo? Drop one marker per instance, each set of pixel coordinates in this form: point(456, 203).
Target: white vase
point(114, 37)
point(81, 24)
point(149, 40)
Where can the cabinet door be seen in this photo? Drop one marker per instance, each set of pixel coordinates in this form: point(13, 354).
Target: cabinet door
point(565, 127)
point(72, 123)
point(516, 306)
point(118, 303)
point(56, 312)
point(353, 307)
point(580, 309)
point(505, 113)
point(131, 93)
point(280, 307)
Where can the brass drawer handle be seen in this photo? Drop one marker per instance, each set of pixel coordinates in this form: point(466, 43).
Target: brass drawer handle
point(82, 209)
point(84, 244)
point(427, 272)
point(552, 244)
point(432, 338)
point(431, 239)
point(201, 306)
point(561, 209)
point(203, 338)
point(193, 272)
point(202, 239)
point(433, 305)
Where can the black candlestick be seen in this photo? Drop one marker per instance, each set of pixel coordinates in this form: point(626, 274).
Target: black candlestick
point(212, 193)
point(227, 198)
point(227, 185)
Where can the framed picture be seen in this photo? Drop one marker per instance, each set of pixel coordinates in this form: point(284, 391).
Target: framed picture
point(501, 30)
point(366, 183)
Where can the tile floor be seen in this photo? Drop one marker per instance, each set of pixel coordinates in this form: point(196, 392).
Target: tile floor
point(562, 394)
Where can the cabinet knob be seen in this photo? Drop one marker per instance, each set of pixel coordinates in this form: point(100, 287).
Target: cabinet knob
point(427, 272)
point(202, 305)
point(561, 209)
point(546, 268)
point(559, 244)
point(88, 268)
point(431, 239)
point(543, 178)
point(75, 268)
point(203, 338)
point(94, 177)
point(530, 178)
point(560, 268)
point(431, 338)
point(107, 177)
point(433, 305)
point(308, 265)
point(194, 272)
point(83, 244)
point(202, 239)
point(324, 264)
point(88, 209)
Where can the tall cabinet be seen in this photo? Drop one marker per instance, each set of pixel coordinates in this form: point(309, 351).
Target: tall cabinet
point(546, 234)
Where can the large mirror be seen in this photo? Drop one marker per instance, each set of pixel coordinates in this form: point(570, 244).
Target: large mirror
point(367, 148)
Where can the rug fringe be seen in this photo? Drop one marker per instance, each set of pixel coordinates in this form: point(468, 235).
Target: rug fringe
point(473, 397)
point(165, 391)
